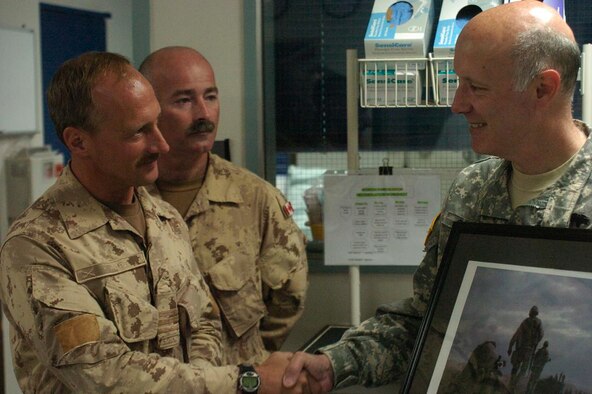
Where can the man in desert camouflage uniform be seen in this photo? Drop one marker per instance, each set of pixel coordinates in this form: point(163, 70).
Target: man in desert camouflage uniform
point(245, 241)
point(98, 279)
point(517, 66)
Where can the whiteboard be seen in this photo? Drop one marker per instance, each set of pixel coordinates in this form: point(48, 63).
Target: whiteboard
point(18, 104)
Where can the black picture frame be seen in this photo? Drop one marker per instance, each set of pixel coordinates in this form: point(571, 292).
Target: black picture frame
point(490, 278)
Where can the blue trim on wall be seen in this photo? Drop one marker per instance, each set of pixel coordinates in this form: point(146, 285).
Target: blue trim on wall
point(73, 11)
point(65, 34)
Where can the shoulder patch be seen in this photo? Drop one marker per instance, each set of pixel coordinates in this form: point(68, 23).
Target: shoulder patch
point(431, 229)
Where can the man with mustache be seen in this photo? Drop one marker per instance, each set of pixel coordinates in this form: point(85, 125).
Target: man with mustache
point(98, 279)
point(517, 66)
point(245, 241)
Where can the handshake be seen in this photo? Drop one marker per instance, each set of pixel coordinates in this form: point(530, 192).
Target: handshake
point(299, 372)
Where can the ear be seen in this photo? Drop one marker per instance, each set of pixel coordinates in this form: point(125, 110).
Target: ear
point(76, 140)
point(548, 85)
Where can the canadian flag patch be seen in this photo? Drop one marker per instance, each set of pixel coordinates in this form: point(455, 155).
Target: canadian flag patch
point(287, 209)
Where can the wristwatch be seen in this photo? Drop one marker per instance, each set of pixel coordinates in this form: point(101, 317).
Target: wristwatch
point(248, 379)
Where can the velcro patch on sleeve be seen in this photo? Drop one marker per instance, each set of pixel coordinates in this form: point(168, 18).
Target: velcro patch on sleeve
point(77, 331)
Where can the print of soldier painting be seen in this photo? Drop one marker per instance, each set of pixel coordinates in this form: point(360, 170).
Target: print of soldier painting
point(482, 372)
point(523, 345)
point(530, 335)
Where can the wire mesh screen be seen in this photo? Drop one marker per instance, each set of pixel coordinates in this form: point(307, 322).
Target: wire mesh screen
point(305, 173)
point(308, 41)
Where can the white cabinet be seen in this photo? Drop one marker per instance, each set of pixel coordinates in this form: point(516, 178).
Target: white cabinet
point(28, 175)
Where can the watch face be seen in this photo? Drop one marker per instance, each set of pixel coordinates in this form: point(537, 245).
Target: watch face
point(249, 382)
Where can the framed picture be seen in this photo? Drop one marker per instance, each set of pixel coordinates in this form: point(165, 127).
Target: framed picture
point(511, 312)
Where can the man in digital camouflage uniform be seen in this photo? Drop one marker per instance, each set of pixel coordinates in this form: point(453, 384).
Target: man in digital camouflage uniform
point(517, 66)
point(98, 279)
point(247, 245)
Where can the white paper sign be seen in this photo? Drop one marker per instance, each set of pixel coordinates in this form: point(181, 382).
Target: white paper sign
point(378, 219)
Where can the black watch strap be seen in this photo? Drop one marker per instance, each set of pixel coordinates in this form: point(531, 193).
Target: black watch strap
point(248, 379)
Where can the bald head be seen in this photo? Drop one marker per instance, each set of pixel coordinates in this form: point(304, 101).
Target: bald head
point(168, 61)
point(530, 36)
point(517, 17)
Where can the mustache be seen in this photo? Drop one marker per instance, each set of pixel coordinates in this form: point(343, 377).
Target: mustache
point(201, 126)
point(148, 159)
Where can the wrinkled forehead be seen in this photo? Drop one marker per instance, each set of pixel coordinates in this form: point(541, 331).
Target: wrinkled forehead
point(483, 58)
point(122, 91)
point(483, 44)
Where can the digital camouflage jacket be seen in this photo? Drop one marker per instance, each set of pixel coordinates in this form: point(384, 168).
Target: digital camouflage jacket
point(379, 350)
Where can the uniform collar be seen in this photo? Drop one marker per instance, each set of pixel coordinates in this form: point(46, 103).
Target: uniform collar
point(81, 213)
point(495, 198)
point(220, 182)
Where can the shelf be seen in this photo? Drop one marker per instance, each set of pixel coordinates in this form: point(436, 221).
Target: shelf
point(407, 83)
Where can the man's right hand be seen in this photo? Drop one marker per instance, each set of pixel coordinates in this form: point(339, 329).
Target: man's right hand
point(318, 367)
point(271, 373)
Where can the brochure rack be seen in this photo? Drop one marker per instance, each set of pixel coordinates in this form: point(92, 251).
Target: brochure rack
point(416, 82)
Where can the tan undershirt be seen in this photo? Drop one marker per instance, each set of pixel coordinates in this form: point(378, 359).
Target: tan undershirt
point(524, 187)
point(179, 195)
point(132, 213)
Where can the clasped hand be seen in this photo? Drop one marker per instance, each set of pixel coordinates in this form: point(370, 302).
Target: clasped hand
point(299, 373)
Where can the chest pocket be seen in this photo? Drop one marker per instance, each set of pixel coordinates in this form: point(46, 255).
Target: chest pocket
point(237, 294)
point(126, 295)
point(136, 319)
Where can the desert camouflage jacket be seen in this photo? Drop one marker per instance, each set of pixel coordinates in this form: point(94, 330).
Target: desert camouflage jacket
point(94, 307)
point(379, 350)
point(253, 257)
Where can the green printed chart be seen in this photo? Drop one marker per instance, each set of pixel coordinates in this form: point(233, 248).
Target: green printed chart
point(378, 219)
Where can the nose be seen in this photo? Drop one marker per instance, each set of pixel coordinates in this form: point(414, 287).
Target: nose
point(461, 104)
point(158, 144)
point(201, 110)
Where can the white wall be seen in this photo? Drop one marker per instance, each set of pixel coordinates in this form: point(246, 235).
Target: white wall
point(215, 28)
point(25, 13)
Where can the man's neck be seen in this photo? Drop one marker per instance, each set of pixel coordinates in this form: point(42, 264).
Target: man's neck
point(178, 169)
point(104, 192)
point(553, 147)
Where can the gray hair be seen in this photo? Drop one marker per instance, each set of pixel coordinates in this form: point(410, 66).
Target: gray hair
point(536, 50)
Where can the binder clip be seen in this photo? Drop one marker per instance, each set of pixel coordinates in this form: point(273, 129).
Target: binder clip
point(385, 169)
